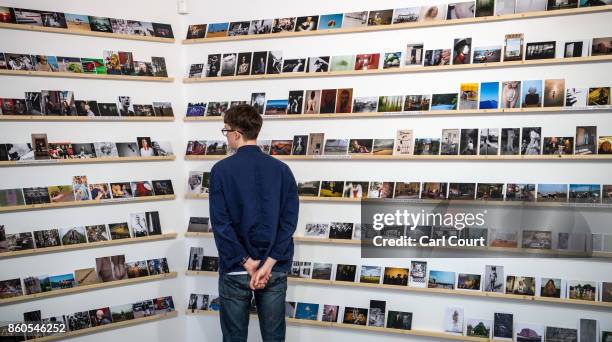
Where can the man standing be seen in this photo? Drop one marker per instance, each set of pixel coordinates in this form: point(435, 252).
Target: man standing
point(254, 211)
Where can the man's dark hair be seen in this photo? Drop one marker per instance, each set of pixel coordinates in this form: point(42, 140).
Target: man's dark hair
point(244, 118)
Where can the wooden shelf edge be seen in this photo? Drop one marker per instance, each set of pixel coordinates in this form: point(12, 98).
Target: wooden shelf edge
point(201, 273)
point(405, 70)
point(327, 241)
point(455, 202)
point(198, 234)
point(193, 196)
point(314, 240)
point(487, 19)
point(86, 161)
point(87, 288)
point(418, 114)
point(455, 292)
point(107, 327)
point(91, 245)
point(84, 203)
point(84, 118)
point(23, 27)
point(353, 157)
point(317, 323)
point(84, 75)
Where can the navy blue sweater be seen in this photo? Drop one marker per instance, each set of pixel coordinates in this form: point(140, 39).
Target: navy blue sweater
point(253, 209)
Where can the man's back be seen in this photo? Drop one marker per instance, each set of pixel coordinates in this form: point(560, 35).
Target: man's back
point(253, 209)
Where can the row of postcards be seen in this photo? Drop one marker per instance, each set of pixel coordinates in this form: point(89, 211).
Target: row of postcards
point(381, 17)
point(472, 96)
point(109, 268)
point(43, 150)
point(378, 314)
point(462, 52)
point(93, 317)
point(62, 102)
point(112, 63)
point(81, 191)
point(540, 239)
point(140, 225)
point(198, 183)
point(464, 141)
point(82, 22)
point(419, 276)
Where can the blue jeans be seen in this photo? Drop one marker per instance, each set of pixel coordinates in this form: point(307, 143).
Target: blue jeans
point(235, 297)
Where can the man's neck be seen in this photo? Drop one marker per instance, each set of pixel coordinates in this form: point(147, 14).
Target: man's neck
point(248, 142)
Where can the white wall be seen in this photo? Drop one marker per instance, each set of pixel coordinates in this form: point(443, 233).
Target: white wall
point(171, 212)
point(428, 309)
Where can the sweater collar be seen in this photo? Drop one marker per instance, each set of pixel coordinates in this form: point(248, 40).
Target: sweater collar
point(248, 148)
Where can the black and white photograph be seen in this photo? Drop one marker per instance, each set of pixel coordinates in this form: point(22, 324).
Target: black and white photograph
point(341, 230)
point(365, 104)
point(510, 141)
point(36, 195)
point(138, 225)
point(283, 25)
point(260, 61)
point(213, 65)
point(294, 65)
point(299, 146)
point(489, 142)
point(355, 19)
point(318, 64)
point(531, 141)
point(494, 278)
point(399, 320)
point(261, 26)
point(199, 225)
point(318, 230)
point(47, 238)
point(106, 149)
point(108, 109)
point(244, 63)
point(33, 103)
point(275, 62)
point(125, 106)
point(377, 313)
point(450, 142)
point(195, 258)
point(468, 141)
point(228, 64)
point(540, 50)
point(239, 28)
point(503, 324)
point(295, 102)
point(406, 15)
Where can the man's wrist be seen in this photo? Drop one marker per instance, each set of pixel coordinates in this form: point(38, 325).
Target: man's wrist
point(270, 262)
point(244, 260)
